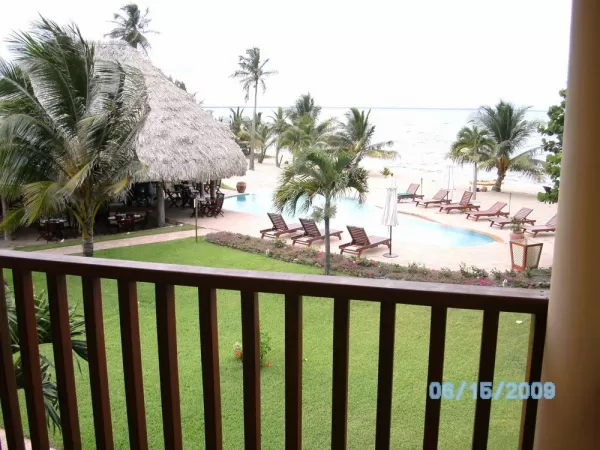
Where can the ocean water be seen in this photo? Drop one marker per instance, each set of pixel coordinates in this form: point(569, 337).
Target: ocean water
point(422, 138)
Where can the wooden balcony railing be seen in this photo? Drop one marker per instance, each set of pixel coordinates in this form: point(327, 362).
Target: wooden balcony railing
point(341, 290)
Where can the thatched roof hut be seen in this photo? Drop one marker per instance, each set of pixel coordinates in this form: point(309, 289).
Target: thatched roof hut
point(179, 141)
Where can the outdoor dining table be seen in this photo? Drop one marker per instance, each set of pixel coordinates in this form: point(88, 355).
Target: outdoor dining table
point(52, 228)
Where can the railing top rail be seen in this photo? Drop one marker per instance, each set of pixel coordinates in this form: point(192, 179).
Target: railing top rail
point(531, 301)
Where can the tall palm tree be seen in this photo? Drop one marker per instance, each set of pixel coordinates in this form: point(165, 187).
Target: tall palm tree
point(251, 74)
point(68, 125)
point(279, 126)
point(305, 106)
point(356, 136)
point(472, 146)
point(314, 173)
point(305, 133)
point(132, 27)
point(510, 130)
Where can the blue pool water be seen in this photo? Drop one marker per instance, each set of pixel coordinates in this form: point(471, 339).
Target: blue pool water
point(349, 212)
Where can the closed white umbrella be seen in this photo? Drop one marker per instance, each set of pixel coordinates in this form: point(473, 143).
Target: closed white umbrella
point(390, 212)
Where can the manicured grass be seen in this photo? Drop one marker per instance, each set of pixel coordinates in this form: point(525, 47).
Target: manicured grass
point(106, 237)
point(410, 371)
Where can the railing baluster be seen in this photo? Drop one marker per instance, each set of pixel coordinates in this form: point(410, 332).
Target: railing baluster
point(167, 359)
point(211, 381)
point(341, 347)
point(385, 377)
point(487, 362)
point(293, 372)
point(63, 360)
point(11, 413)
point(435, 373)
point(533, 373)
point(30, 358)
point(132, 364)
point(94, 332)
point(251, 369)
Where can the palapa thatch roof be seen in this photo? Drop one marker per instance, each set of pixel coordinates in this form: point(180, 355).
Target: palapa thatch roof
point(179, 140)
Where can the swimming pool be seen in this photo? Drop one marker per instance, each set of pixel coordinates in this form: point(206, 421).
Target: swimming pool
point(349, 212)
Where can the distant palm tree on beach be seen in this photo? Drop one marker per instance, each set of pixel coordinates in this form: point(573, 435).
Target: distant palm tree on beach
point(132, 27)
point(304, 106)
point(356, 135)
point(279, 126)
point(510, 130)
point(472, 146)
point(251, 74)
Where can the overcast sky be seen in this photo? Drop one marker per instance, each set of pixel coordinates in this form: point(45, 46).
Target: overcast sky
point(421, 53)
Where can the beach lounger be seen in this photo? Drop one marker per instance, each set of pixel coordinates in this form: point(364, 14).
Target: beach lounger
point(438, 199)
point(312, 233)
point(410, 194)
point(521, 215)
point(547, 228)
point(361, 242)
point(494, 211)
point(279, 227)
point(462, 205)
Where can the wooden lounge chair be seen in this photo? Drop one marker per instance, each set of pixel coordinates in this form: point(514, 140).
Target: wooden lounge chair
point(494, 211)
point(410, 194)
point(173, 196)
point(361, 242)
point(312, 233)
point(279, 227)
point(462, 205)
point(438, 199)
point(521, 215)
point(547, 228)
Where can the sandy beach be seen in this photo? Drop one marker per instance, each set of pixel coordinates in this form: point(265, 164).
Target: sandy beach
point(489, 256)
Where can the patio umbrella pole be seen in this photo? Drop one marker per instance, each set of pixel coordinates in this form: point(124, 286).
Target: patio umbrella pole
point(390, 254)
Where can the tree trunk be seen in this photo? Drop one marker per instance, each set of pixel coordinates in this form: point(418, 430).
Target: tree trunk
point(327, 240)
point(474, 181)
point(4, 214)
point(160, 205)
point(251, 165)
point(498, 186)
point(277, 160)
point(87, 239)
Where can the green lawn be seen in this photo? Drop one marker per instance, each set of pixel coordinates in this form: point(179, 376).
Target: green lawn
point(106, 237)
point(412, 336)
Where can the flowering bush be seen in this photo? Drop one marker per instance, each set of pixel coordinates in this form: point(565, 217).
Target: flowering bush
point(265, 348)
point(367, 268)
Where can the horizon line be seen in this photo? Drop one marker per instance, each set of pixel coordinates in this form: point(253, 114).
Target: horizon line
point(363, 107)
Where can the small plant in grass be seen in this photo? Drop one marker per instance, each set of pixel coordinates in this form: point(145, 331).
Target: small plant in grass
point(278, 243)
point(264, 349)
point(528, 273)
point(498, 276)
point(416, 268)
point(445, 272)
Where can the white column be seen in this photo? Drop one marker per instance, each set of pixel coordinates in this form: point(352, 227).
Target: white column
point(572, 356)
point(160, 204)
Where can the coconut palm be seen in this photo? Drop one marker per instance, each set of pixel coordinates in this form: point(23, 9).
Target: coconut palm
point(238, 124)
point(331, 175)
point(305, 106)
point(510, 130)
point(356, 136)
point(132, 27)
point(305, 133)
point(251, 74)
point(263, 140)
point(472, 146)
point(68, 125)
point(279, 126)
point(44, 332)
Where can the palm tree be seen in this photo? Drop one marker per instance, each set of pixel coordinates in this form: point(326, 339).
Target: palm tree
point(279, 126)
point(510, 130)
point(132, 27)
point(356, 137)
point(305, 106)
point(263, 140)
point(44, 332)
point(251, 74)
point(68, 125)
point(472, 146)
point(314, 173)
point(305, 133)
point(238, 125)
